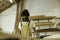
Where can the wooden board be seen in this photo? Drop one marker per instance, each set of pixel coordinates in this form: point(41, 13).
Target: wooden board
point(47, 30)
point(44, 24)
point(41, 17)
point(7, 36)
point(5, 4)
point(58, 24)
point(34, 17)
point(57, 17)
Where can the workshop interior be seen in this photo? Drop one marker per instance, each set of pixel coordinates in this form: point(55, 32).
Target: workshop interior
point(29, 19)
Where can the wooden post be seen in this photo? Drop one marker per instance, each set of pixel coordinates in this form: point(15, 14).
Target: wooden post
point(21, 8)
point(20, 4)
point(17, 16)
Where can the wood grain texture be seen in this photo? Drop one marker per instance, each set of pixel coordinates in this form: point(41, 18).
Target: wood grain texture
point(5, 4)
point(57, 17)
point(58, 24)
point(42, 17)
point(44, 23)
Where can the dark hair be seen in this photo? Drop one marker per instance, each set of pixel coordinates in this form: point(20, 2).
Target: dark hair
point(25, 13)
point(25, 16)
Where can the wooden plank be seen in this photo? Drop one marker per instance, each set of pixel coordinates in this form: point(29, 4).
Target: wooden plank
point(58, 18)
point(18, 13)
point(44, 23)
point(47, 30)
point(58, 24)
point(42, 17)
point(35, 17)
point(6, 35)
point(17, 18)
point(5, 4)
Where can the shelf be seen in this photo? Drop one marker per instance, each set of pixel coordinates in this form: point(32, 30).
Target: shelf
point(44, 23)
point(58, 18)
point(36, 17)
point(42, 17)
point(47, 30)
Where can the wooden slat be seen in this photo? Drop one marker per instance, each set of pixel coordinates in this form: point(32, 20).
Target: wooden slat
point(6, 35)
point(58, 18)
point(36, 17)
point(5, 4)
point(44, 23)
point(41, 17)
point(47, 30)
point(58, 24)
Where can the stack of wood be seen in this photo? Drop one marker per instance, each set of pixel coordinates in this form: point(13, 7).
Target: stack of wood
point(42, 17)
point(39, 24)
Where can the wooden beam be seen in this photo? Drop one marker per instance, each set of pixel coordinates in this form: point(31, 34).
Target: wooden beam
point(21, 8)
point(7, 36)
point(44, 23)
point(36, 17)
point(42, 17)
point(17, 17)
point(58, 18)
point(47, 30)
point(58, 24)
point(5, 5)
point(18, 13)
